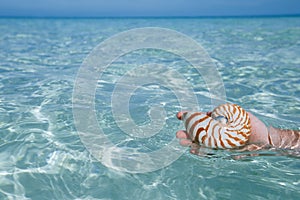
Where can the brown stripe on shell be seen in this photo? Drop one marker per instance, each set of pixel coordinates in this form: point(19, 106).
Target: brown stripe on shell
point(238, 124)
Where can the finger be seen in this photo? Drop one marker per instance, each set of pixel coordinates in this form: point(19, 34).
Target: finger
point(194, 148)
point(182, 134)
point(250, 147)
point(180, 114)
point(194, 151)
point(185, 142)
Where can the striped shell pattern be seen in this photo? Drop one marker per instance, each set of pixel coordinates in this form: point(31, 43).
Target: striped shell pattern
point(226, 127)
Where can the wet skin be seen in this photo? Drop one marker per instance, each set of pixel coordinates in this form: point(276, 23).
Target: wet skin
point(261, 137)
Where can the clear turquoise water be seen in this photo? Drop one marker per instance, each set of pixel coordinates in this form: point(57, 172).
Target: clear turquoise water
point(42, 156)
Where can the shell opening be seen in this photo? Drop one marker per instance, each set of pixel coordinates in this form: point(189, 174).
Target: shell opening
point(222, 119)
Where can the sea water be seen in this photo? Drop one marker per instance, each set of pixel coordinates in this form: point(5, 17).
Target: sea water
point(44, 157)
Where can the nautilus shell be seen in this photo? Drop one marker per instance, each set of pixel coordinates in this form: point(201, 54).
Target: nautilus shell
point(226, 127)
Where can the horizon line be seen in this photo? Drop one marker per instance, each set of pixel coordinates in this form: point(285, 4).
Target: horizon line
point(120, 17)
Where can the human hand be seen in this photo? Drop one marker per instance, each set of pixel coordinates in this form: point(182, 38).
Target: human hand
point(258, 137)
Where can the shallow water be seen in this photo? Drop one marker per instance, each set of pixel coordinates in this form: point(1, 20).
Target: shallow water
point(43, 157)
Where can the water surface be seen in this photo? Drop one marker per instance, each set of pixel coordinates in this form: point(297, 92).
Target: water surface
point(42, 156)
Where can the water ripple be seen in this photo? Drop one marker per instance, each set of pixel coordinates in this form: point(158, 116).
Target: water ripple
point(42, 157)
